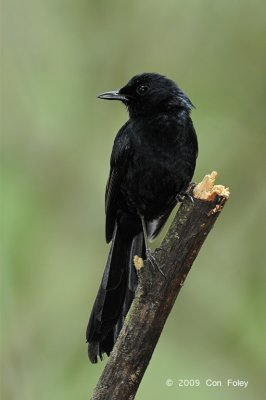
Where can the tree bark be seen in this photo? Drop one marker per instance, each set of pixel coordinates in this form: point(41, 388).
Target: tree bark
point(156, 294)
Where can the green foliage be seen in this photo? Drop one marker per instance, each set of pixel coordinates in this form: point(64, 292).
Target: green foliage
point(58, 55)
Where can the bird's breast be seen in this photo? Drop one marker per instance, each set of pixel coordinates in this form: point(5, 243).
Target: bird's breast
point(160, 166)
point(152, 181)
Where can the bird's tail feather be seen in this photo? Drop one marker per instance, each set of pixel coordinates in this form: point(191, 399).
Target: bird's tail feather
point(115, 294)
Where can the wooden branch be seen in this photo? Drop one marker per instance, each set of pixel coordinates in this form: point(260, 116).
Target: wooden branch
point(156, 294)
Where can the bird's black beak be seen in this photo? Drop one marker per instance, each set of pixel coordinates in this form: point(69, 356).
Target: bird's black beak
point(114, 95)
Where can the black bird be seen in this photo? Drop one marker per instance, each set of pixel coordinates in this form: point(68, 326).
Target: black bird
point(152, 163)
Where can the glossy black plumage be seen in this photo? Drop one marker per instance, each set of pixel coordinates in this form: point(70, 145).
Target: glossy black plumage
point(152, 162)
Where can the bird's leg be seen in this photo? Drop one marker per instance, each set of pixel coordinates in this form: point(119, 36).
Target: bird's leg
point(149, 253)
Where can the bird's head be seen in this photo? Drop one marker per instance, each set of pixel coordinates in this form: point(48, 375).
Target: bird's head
point(148, 94)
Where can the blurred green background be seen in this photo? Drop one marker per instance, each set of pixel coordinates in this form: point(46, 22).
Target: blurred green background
point(58, 55)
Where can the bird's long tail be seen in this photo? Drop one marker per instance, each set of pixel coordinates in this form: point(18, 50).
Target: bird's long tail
point(115, 294)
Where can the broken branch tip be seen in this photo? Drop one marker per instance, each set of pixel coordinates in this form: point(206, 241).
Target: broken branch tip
point(138, 262)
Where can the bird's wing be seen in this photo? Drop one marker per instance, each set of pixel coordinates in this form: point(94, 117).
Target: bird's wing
point(119, 160)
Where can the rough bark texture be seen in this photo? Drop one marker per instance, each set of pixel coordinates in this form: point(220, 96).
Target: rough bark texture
point(156, 294)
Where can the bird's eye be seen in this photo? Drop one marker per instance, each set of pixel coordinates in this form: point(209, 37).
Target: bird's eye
point(142, 89)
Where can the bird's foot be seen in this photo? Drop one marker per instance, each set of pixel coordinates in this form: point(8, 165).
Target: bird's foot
point(181, 196)
point(152, 260)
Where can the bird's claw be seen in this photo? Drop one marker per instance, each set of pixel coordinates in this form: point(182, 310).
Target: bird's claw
point(152, 260)
point(181, 196)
